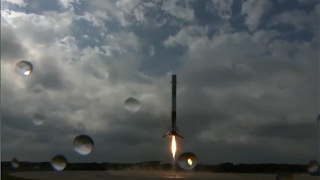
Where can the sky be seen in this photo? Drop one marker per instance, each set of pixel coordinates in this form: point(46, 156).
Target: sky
point(247, 73)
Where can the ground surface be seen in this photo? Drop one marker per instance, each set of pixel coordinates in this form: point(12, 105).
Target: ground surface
point(5, 176)
point(126, 175)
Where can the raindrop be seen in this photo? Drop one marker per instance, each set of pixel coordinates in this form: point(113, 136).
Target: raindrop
point(152, 51)
point(37, 88)
point(38, 119)
point(15, 163)
point(285, 80)
point(59, 162)
point(239, 66)
point(83, 144)
point(24, 68)
point(187, 161)
point(132, 104)
point(101, 75)
point(313, 167)
point(284, 177)
point(80, 126)
point(160, 21)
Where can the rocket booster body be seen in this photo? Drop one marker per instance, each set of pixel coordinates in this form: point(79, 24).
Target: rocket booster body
point(174, 129)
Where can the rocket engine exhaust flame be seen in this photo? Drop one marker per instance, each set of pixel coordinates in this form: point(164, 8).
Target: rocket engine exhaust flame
point(189, 162)
point(173, 146)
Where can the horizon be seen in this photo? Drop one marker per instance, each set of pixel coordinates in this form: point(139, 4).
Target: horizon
point(247, 73)
point(165, 163)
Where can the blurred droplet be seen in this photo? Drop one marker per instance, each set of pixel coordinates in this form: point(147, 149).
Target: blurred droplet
point(318, 118)
point(77, 127)
point(59, 162)
point(24, 68)
point(132, 104)
point(37, 88)
point(101, 75)
point(83, 144)
point(187, 161)
point(152, 51)
point(15, 163)
point(285, 79)
point(38, 119)
point(285, 176)
point(80, 126)
point(239, 66)
point(313, 167)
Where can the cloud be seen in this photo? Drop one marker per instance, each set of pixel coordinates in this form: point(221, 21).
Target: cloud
point(185, 36)
point(244, 94)
point(254, 10)
point(17, 2)
point(180, 11)
point(222, 8)
point(306, 1)
point(302, 21)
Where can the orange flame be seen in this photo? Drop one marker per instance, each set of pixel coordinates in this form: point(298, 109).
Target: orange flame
point(173, 146)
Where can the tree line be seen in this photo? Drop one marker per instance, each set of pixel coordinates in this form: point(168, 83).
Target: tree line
point(156, 165)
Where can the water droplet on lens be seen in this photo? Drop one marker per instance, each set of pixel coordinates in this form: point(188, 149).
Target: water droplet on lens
point(59, 162)
point(318, 118)
point(37, 88)
point(83, 144)
point(286, 79)
point(24, 68)
point(152, 51)
point(285, 176)
point(101, 75)
point(313, 167)
point(15, 163)
point(132, 104)
point(239, 66)
point(187, 161)
point(80, 126)
point(38, 119)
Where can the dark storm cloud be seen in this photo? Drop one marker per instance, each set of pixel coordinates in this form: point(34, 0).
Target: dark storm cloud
point(11, 48)
point(215, 77)
point(274, 66)
point(47, 73)
point(290, 131)
point(16, 121)
point(128, 136)
point(197, 110)
point(23, 122)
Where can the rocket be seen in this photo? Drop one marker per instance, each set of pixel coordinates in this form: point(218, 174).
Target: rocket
point(173, 131)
